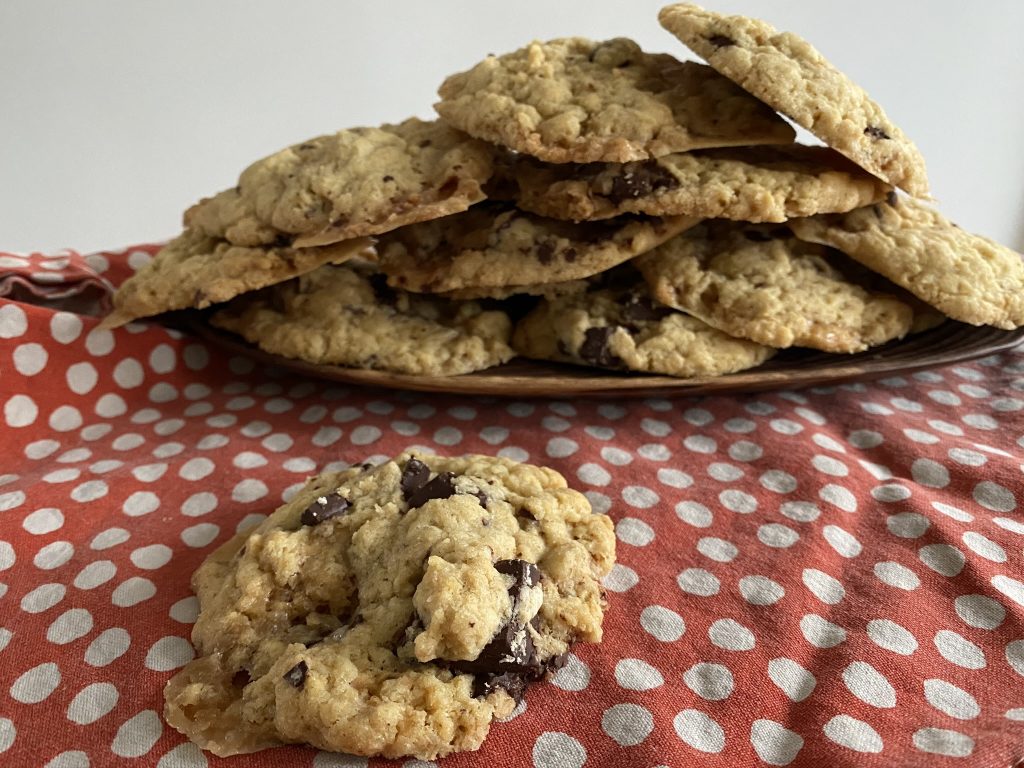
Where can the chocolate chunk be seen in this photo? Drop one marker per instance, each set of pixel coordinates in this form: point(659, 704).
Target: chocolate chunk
point(387, 178)
point(524, 575)
point(721, 41)
point(513, 685)
point(481, 497)
point(441, 487)
point(324, 508)
point(642, 308)
point(595, 349)
point(383, 292)
point(545, 253)
point(892, 198)
point(876, 133)
point(415, 474)
point(241, 678)
point(640, 180)
point(296, 676)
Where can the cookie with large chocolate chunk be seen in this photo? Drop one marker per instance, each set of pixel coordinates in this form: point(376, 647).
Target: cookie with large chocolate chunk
point(348, 316)
point(968, 277)
point(496, 246)
point(354, 183)
point(403, 622)
point(617, 325)
point(788, 73)
point(758, 184)
point(195, 270)
point(759, 282)
point(576, 100)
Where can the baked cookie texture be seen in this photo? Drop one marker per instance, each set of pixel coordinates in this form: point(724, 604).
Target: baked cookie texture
point(392, 610)
point(576, 100)
point(761, 283)
point(758, 184)
point(968, 277)
point(196, 270)
point(495, 245)
point(348, 316)
point(354, 183)
point(616, 325)
point(788, 73)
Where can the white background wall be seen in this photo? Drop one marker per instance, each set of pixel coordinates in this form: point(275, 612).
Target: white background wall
point(117, 114)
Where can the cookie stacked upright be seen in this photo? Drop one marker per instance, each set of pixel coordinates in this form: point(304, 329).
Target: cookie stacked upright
point(657, 211)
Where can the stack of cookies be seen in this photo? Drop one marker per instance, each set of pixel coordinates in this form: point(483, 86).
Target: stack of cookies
point(591, 203)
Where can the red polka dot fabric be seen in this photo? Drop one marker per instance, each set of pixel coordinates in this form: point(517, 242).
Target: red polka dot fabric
point(830, 577)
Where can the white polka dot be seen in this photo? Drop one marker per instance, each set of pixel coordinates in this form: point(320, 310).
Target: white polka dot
point(738, 501)
point(984, 547)
point(853, 734)
point(99, 342)
point(907, 525)
point(92, 702)
point(169, 653)
point(132, 592)
point(958, 650)
point(786, 427)
point(30, 359)
point(1015, 656)
point(574, 676)
point(953, 512)
point(639, 497)
point(560, 447)
point(36, 684)
point(890, 493)
point(719, 550)
point(800, 511)
point(1012, 588)
point(65, 327)
point(138, 735)
point(109, 538)
point(627, 724)
point(824, 587)
point(108, 646)
point(70, 626)
point(43, 521)
point(744, 450)
point(140, 503)
point(865, 438)
point(774, 743)
point(558, 750)
point(777, 536)
point(443, 436)
point(791, 678)
point(662, 623)
point(185, 610)
point(1014, 526)
point(994, 497)
point(694, 513)
point(7, 556)
point(73, 758)
point(674, 478)
point(942, 558)
point(198, 536)
point(655, 428)
point(162, 359)
point(128, 373)
point(731, 635)
point(760, 590)
point(697, 581)
point(830, 466)
point(616, 456)
point(189, 755)
point(13, 322)
point(20, 411)
point(891, 636)
point(634, 532)
point(778, 481)
point(598, 502)
point(713, 682)
point(869, 685)
point(621, 578)
point(593, 474)
point(637, 675)
point(12, 499)
point(950, 700)
point(842, 541)
point(699, 731)
point(939, 741)
point(60, 476)
point(967, 457)
point(820, 632)
point(54, 555)
point(152, 557)
point(90, 491)
point(1015, 714)
point(40, 449)
point(95, 574)
point(979, 611)
point(700, 444)
point(42, 598)
point(896, 575)
point(654, 452)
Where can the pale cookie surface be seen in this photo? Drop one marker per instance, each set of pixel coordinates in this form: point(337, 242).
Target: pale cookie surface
point(195, 271)
point(756, 184)
point(547, 290)
point(353, 183)
point(788, 73)
point(621, 328)
point(761, 283)
point(348, 316)
point(968, 277)
point(392, 610)
point(576, 100)
point(495, 245)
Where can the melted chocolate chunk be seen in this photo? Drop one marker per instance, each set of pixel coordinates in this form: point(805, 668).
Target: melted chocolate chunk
point(441, 487)
point(383, 292)
point(892, 198)
point(513, 685)
point(523, 573)
point(415, 474)
point(481, 497)
point(296, 676)
point(721, 41)
point(643, 309)
point(545, 253)
point(324, 508)
point(595, 350)
point(241, 678)
point(876, 133)
point(640, 180)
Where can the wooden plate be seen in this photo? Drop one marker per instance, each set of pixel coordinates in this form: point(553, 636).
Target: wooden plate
point(949, 343)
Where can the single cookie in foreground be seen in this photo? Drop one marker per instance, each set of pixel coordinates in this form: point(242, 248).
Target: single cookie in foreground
point(621, 328)
point(348, 316)
point(788, 73)
point(759, 282)
point(393, 610)
point(759, 184)
point(968, 277)
point(196, 271)
point(494, 245)
point(576, 100)
point(354, 183)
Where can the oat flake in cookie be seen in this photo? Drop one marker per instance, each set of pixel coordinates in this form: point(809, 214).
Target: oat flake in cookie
point(392, 611)
point(576, 100)
point(788, 73)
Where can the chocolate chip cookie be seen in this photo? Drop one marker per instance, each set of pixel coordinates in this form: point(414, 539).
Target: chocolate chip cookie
point(357, 182)
point(348, 316)
point(195, 270)
point(495, 245)
point(759, 184)
point(392, 610)
point(576, 100)
point(759, 282)
point(788, 73)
